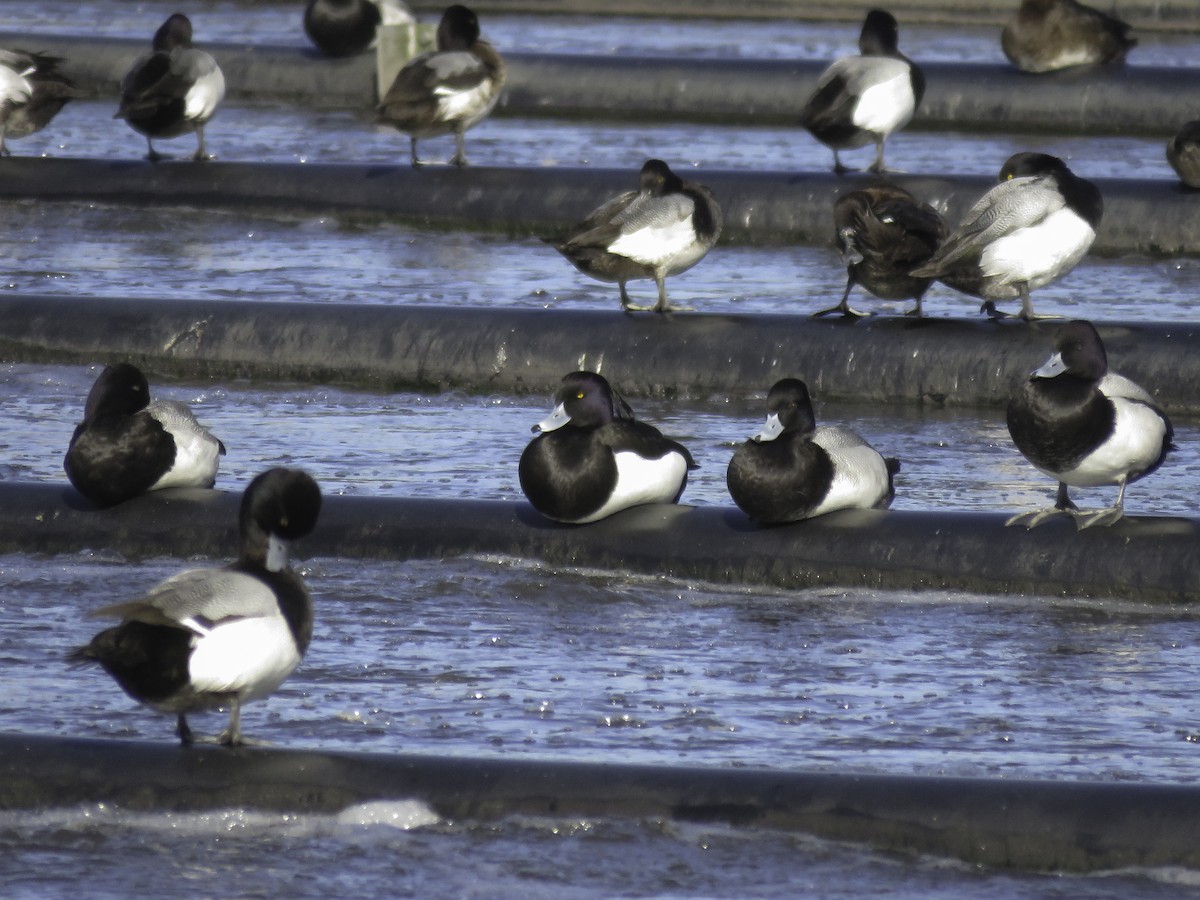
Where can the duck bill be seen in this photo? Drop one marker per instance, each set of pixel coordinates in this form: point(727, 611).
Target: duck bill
point(554, 421)
point(771, 430)
point(1050, 368)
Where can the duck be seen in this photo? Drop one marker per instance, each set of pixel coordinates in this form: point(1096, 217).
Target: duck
point(882, 232)
point(208, 638)
point(863, 99)
point(127, 444)
point(173, 90)
point(1031, 229)
point(794, 469)
point(1084, 426)
point(591, 458)
point(663, 228)
point(33, 91)
point(347, 27)
point(1183, 153)
point(449, 90)
point(1048, 35)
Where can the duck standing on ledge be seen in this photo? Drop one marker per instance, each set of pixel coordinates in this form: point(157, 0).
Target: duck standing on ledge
point(1084, 426)
point(1048, 35)
point(220, 637)
point(449, 90)
point(173, 90)
point(883, 232)
point(863, 99)
point(663, 228)
point(591, 458)
point(1029, 230)
point(32, 92)
point(794, 469)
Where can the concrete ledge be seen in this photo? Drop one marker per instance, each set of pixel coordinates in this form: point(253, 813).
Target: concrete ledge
point(1123, 100)
point(1042, 825)
point(885, 359)
point(1147, 559)
point(1144, 217)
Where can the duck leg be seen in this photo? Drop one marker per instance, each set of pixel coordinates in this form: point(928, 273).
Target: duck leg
point(877, 167)
point(1105, 517)
point(232, 736)
point(844, 307)
point(627, 305)
point(663, 305)
point(184, 732)
point(460, 148)
point(416, 160)
point(1062, 504)
point(201, 154)
point(153, 155)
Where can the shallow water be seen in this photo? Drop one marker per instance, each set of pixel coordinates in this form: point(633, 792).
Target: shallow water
point(490, 656)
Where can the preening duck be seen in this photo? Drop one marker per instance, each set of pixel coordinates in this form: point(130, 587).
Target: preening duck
point(220, 637)
point(346, 27)
point(591, 458)
point(863, 99)
point(32, 92)
point(794, 469)
point(449, 90)
point(127, 445)
point(172, 91)
point(663, 228)
point(1085, 427)
point(1047, 35)
point(1026, 232)
point(883, 232)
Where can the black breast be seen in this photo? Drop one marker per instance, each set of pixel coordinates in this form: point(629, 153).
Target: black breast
point(567, 474)
point(1056, 422)
point(781, 480)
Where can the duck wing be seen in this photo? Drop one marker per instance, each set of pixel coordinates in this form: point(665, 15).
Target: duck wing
point(197, 600)
point(1009, 206)
point(435, 74)
point(643, 439)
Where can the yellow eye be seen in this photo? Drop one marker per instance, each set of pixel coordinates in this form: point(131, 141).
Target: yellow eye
point(1010, 176)
point(579, 396)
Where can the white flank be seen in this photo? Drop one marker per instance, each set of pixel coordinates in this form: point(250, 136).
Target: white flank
point(657, 244)
point(197, 453)
point(248, 657)
point(860, 476)
point(641, 480)
point(204, 96)
point(1041, 253)
point(1135, 444)
point(14, 89)
point(888, 104)
point(455, 104)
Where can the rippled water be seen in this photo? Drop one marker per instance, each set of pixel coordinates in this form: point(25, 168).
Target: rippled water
point(499, 656)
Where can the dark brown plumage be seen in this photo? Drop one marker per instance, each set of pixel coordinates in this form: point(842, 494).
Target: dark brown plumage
point(1048, 35)
point(883, 232)
point(449, 90)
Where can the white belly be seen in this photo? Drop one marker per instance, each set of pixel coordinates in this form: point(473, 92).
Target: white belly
point(886, 106)
point(641, 480)
point(204, 97)
point(1136, 443)
point(247, 657)
point(1041, 253)
point(671, 248)
point(860, 480)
